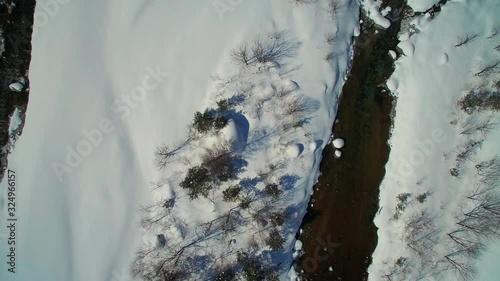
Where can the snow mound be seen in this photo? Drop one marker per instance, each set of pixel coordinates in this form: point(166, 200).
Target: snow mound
point(338, 143)
point(407, 47)
point(392, 54)
point(236, 132)
point(392, 83)
point(373, 8)
point(294, 150)
point(443, 59)
point(290, 84)
point(357, 31)
point(15, 121)
point(421, 5)
point(338, 153)
point(16, 87)
point(298, 245)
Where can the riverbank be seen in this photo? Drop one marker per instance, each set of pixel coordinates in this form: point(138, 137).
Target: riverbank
point(16, 25)
point(339, 235)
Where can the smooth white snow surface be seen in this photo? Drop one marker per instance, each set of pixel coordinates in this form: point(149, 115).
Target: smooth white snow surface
point(112, 80)
point(426, 140)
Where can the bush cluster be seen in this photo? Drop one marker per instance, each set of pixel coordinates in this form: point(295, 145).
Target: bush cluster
point(480, 100)
point(207, 121)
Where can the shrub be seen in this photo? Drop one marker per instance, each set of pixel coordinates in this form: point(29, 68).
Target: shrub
point(231, 194)
point(278, 218)
point(275, 240)
point(480, 100)
point(226, 171)
point(219, 162)
point(402, 204)
point(224, 105)
point(197, 182)
point(169, 203)
point(254, 270)
point(422, 197)
point(273, 190)
point(454, 172)
point(245, 202)
point(227, 274)
point(275, 47)
point(204, 122)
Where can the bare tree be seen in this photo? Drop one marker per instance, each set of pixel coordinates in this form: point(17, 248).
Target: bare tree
point(490, 68)
point(489, 170)
point(165, 154)
point(479, 191)
point(465, 242)
point(462, 265)
point(467, 38)
point(230, 221)
point(274, 47)
point(478, 221)
point(156, 213)
point(299, 107)
point(303, 2)
point(258, 107)
point(330, 56)
point(483, 217)
point(484, 126)
point(421, 233)
point(265, 174)
point(219, 161)
point(494, 32)
point(334, 7)
point(284, 91)
point(466, 151)
point(398, 271)
point(241, 54)
point(331, 37)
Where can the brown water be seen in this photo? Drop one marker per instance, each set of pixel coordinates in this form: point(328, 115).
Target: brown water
point(339, 232)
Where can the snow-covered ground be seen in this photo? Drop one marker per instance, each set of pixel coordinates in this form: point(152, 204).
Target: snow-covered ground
point(428, 142)
point(112, 80)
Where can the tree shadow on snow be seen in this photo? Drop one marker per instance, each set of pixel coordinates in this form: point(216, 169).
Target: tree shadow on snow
point(288, 181)
point(248, 183)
